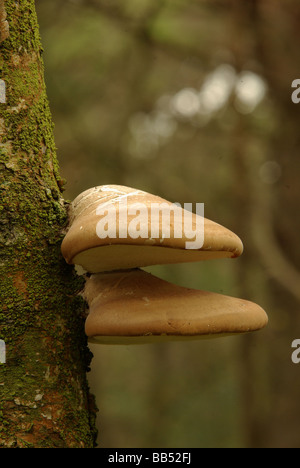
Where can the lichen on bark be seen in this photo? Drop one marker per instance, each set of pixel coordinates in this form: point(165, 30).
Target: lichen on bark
point(45, 399)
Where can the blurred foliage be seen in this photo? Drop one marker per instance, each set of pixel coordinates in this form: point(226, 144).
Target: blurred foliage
point(191, 100)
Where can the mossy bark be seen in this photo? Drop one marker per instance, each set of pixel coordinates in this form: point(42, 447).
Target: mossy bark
point(44, 395)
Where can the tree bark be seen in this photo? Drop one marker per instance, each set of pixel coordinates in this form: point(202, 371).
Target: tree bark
point(44, 395)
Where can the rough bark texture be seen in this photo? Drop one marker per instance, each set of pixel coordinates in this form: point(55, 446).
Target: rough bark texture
point(44, 395)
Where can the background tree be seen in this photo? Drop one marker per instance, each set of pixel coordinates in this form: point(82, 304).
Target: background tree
point(44, 399)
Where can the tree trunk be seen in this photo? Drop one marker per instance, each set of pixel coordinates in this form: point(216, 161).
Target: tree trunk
point(44, 395)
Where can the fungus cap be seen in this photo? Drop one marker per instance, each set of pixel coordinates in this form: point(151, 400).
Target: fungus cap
point(115, 204)
point(135, 307)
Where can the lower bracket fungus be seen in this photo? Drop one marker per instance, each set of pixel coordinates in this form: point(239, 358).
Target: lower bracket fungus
point(133, 307)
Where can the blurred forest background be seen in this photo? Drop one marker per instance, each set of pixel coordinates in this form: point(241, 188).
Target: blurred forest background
point(191, 100)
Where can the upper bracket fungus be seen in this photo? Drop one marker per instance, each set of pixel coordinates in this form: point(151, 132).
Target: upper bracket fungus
point(116, 230)
point(114, 227)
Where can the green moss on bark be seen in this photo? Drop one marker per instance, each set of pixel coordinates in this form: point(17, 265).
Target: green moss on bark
point(45, 400)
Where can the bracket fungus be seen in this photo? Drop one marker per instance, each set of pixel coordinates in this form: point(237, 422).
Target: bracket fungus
point(133, 306)
point(114, 232)
point(132, 232)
